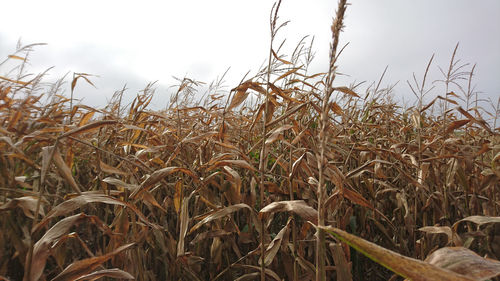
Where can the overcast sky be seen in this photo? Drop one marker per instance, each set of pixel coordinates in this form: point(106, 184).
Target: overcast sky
point(127, 42)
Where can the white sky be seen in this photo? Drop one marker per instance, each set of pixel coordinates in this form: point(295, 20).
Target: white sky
point(127, 42)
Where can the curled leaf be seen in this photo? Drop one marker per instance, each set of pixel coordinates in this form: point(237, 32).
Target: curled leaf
point(438, 229)
point(26, 203)
point(298, 207)
point(415, 270)
point(158, 176)
point(219, 214)
point(275, 245)
point(89, 127)
point(466, 262)
point(238, 163)
point(110, 169)
point(72, 204)
point(346, 90)
point(41, 249)
point(65, 171)
point(113, 273)
point(456, 124)
point(83, 267)
point(277, 133)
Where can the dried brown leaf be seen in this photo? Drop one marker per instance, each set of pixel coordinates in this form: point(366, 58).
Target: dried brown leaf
point(65, 171)
point(252, 276)
point(149, 199)
point(479, 220)
point(72, 204)
point(448, 100)
point(479, 121)
point(83, 267)
point(41, 249)
point(46, 159)
point(178, 196)
point(16, 57)
point(271, 108)
point(113, 273)
point(465, 262)
point(160, 175)
point(204, 136)
point(209, 234)
point(306, 265)
point(282, 93)
point(291, 71)
point(85, 118)
point(235, 192)
point(341, 264)
point(77, 76)
point(456, 124)
point(14, 81)
point(485, 147)
point(219, 214)
point(238, 98)
point(274, 246)
point(296, 165)
point(298, 207)
point(438, 229)
point(249, 276)
point(276, 133)
point(357, 198)
point(14, 119)
point(287, 114)
point(242, 92)
point(336, 108)
point(89, 127)
point(238, 163)
point(27, 203)
point(278, 58)
point(184, 220)
point(413, 269)
point(428, 105)
point(346, 90)
point(110, 169)
point(119, 183)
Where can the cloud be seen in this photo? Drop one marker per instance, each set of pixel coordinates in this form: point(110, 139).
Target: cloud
point(123, 42)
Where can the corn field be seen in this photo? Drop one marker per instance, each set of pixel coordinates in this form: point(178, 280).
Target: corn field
point(289, 176)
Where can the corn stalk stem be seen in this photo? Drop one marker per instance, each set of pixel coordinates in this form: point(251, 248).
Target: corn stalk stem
point(323, 138)
point(263, 152)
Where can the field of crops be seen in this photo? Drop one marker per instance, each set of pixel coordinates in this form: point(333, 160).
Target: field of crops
point(289, 176)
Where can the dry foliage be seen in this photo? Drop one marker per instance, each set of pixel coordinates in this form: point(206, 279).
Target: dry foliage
point(228, 189)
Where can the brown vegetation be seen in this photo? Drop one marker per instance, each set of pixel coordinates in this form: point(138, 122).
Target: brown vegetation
point(232, 188)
